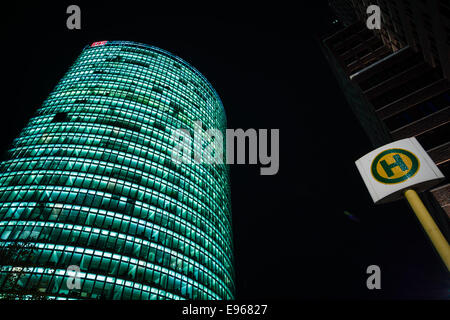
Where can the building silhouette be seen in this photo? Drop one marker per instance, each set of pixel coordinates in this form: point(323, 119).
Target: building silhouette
point(396, 79)
point(89, 183)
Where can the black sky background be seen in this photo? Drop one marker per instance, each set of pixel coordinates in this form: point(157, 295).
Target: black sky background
point(292, 238)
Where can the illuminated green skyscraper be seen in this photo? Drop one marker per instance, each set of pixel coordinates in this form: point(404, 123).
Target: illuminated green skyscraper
point(89, 183)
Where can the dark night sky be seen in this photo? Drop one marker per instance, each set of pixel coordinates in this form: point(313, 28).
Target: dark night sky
point(292, 239)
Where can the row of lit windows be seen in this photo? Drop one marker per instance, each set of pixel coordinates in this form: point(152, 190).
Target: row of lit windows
point(216, 218)
point(168, 63)
point(152, 197)
point(150, 96)
point(148, 76)
point(109, 202)
point(159, 71)
point(122, 119)
point(121, 244)
point(96, 140)
point(118, 120)
point(154, 168)
point(79, 174)
point(146, 162)
point(120, 68)
point(113, 87)
point(98, 291)
point(136, 251)
point(153, 109)
point(116, 164)
point(115, 110)
point(99, 200)
point(142, 60)
point(188, 77)
point(214, 174)
point(85, 97)
point(166, 234)
point(119, 75)
point(139, 210)
point(111, 55)
point(103, 288)
point(153, 163)
point(107, 110)
point(208, 216)
point(115, 169)
point(114, 241)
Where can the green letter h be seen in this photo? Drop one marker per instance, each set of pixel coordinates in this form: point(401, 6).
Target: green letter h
point(398, 163)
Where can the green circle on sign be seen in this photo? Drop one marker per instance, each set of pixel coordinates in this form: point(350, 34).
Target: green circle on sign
point(409, 170)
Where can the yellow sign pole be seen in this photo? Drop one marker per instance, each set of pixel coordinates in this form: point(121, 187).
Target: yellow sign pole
point(430, 227)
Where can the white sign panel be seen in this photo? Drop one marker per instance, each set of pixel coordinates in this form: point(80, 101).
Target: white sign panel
point(392, 168)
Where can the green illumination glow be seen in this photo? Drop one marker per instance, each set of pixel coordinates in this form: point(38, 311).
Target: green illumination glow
point(90, 182)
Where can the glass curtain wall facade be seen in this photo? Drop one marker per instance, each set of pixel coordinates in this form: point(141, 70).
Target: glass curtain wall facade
point(90, 183)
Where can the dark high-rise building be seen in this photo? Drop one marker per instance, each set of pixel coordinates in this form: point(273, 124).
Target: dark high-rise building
point(422, 25)
point(91, 204)
point(396, 79)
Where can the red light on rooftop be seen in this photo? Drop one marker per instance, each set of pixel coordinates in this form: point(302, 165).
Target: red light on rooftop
point(98, 43)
